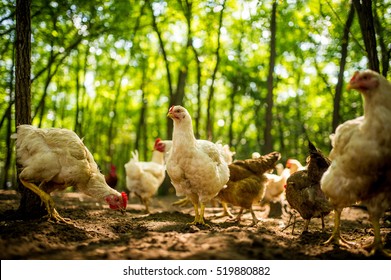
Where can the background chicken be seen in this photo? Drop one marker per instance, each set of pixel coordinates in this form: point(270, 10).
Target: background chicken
point(54, 159)
point(275, 185)
point(361, 157)
point(294, 165)
point(144, 178)
point(197, 171)
point(111, 178)
point(303, 189)
point(247, 182)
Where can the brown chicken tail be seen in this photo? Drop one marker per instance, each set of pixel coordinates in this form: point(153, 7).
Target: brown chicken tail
point(260, 165)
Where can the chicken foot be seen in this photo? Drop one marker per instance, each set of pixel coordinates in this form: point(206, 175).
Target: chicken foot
point(336, 237)
point(322, 218)
point(306, 224)
point(226, 211)
point(239, 217)
point(52, 215)
point(255, 219)
point(199, 215)
point(291, 224)
point(181, 202)
point(145, 202)
point(377, 245)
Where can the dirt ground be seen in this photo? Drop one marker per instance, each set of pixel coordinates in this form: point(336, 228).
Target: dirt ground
point(100, 233)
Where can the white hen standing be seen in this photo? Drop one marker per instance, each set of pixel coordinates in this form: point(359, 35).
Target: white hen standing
point(55, 159)
point(143, 178)
point(197, 171)
point(361, 157)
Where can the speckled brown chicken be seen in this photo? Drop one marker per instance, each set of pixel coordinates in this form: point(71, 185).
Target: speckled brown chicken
point(303, 191)
point(247, 182)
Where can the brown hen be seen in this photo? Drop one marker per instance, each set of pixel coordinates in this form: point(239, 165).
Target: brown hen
point(247, 182)
point(303, 191)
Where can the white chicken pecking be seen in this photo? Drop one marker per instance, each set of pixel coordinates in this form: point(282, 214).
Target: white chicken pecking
point(55, 159)
point(197, 171)
point(361, 157)
point(144, 178)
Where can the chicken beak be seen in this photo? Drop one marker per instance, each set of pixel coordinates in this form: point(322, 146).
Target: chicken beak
point(353, 81)
point(170, 115)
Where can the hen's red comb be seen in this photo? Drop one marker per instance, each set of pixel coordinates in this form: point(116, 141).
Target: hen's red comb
point(171, 108)
point(157, 141)
point(124, 199)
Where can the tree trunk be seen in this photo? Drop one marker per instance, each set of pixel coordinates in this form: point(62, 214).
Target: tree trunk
point(167, 65)
point(268, 147)
point(4, 174)
point(209, 120)
point(384, 47)
point(140, 132)
point(30, 204)
point(344, 53)
point(197, 116)
point(367, 25)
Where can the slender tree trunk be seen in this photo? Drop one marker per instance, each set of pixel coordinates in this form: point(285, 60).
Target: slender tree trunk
point(197, 116)
point(384, 48)
point(235, 88)
point(268, 147)
point(140, 133)
point(183, 70)
point(168, 72)
point(23, 62)
point(77, 124)
point(4, 175)
point(237, 81)
point(344, 53)
point(30, 203)
point(209, 119)
point(365, 17)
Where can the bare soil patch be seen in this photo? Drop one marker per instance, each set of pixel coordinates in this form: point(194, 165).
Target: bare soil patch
point(100, 233)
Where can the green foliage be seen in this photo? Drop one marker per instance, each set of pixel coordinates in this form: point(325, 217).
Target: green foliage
point(96, 64)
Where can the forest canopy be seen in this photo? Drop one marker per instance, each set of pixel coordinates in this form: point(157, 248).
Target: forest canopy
point(110, 70)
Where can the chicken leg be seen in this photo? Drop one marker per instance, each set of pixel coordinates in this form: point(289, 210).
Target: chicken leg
point(226, 211)
point(239, 217)
point(306, 224)
point(199, 214)
point(336, 237)
point(255, 219)
point(47, 200)
point(145, 202)
point(181, 202)
point(377, 245)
